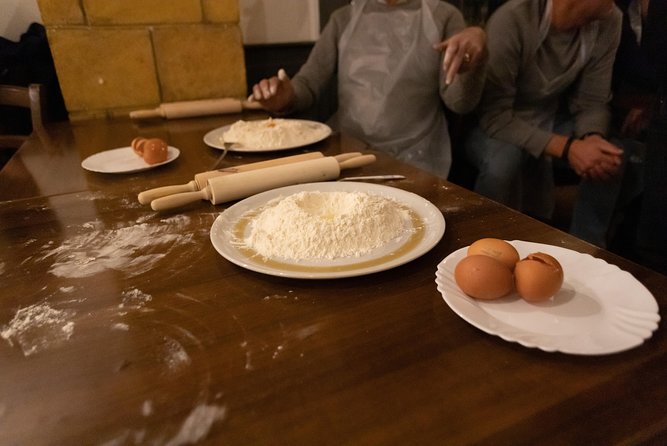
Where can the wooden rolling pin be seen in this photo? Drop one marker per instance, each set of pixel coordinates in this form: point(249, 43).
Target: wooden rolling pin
point(201, 179)
point(241, 185)
point(187, 109)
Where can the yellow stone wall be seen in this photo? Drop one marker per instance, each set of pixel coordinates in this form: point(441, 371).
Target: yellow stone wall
point(115, 56)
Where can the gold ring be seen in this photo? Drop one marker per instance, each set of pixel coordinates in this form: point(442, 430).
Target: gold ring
point(466, 57)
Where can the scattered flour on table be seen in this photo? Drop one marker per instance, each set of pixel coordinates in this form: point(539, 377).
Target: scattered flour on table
point(120, 327)
point(198, 424)
point(134, 298)
point(271, 133)
point(326, 225)
point(38, 327)
point(175, 355)
point(147, 408)
point(127, 249)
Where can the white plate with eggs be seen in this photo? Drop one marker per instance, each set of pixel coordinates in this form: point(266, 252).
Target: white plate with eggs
point(600, 309)
point(123, 160)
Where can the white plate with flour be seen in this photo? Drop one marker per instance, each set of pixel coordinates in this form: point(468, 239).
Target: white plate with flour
point(424, 227)
point(296, 133)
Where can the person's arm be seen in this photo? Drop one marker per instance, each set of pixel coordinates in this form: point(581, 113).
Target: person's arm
point(322, 64)
point(589, 102)
point(304, 89)
point(507, 40)
point(463, 62)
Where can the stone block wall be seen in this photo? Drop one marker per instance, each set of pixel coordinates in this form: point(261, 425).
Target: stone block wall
point(115, 56)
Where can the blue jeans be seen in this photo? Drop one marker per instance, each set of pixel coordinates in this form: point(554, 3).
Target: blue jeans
point(599, 202)
point(509, 175)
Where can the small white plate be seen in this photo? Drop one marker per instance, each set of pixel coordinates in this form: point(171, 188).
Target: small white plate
point(229, 230)
point(319, 132)
point(600, 309)
point(123, 160)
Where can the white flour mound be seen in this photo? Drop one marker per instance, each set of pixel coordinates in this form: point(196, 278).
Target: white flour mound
point(269, 133)
point(326, 225)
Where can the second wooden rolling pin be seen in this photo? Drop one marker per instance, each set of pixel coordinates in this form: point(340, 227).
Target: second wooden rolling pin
point(201, 179)
point(245, 184)
point(203, 107)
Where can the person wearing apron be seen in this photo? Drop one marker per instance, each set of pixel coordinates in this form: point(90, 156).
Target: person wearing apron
point(391, 77)
point(548, 85)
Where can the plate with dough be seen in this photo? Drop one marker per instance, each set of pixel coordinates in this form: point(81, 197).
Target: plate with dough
point(327, 230)
point(267, 135)
point(600, 309)
point(123, 160)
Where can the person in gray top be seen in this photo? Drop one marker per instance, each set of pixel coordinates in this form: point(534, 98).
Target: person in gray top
point(394, 61)
point(546, 96)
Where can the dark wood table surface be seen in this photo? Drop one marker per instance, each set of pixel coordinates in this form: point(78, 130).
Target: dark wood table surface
point(124, 326)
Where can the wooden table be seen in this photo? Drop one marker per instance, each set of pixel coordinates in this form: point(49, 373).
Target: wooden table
point(148, 336)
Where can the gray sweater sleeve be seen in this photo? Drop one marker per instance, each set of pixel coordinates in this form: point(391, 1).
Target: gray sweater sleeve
point(320, 68)
point(508, 40)
point(589, 102)
point(513, 35)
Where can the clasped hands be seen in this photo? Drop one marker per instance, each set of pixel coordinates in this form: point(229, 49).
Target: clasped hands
point(595, 158)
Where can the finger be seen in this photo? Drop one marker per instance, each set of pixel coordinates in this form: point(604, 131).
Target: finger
point(606, 172)
point(450, 49)
point(453, 69)
point(257, 92)
point(264, 87)
point(609, 149)
point(273, 85)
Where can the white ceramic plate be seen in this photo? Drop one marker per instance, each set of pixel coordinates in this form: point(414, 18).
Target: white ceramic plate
point(428, 227)
point(123, 160)
point(600, 309)
point(319, 132)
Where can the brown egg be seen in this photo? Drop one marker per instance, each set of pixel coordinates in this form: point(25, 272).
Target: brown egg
point(538, 277)
point(496, 248)
point(137, 145)
point(483, 277)
point(154, 151)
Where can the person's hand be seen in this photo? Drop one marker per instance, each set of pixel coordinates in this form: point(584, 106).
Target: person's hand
point(464, 51)
point(276, 94)
point(595, 158)
point(635, 122)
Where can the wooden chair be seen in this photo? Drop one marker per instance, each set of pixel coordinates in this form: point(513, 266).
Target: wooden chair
point(32, 98)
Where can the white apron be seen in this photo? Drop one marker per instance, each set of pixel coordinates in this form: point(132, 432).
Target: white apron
point(388, 83)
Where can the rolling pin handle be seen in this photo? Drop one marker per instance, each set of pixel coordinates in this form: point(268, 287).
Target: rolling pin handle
point(357, 161)
point(346, 156)
point(147, 196)
point(147, 114)
point(178, 200)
